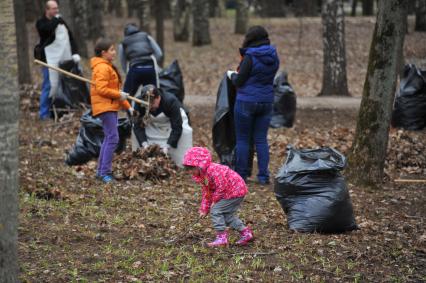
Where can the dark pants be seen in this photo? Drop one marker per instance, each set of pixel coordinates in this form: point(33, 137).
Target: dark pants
point(139, 74)
point(252, 121)
point(111, 139)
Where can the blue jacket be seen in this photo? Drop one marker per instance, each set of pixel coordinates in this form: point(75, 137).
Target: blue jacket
point(264, 65)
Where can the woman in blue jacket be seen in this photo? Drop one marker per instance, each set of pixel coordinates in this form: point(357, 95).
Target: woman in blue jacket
point(254, 102)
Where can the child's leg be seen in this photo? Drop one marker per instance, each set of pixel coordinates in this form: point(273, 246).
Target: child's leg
point(217, 217)
point(109, 124)
point(231, 217)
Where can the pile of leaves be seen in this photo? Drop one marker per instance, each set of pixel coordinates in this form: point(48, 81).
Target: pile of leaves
point(407, 152)
point(145, 164)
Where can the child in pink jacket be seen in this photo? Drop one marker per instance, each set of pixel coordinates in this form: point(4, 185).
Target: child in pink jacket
point(223, 191)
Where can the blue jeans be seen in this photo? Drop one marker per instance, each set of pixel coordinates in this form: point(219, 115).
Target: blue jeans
point(45, 101)
point(139, 74)
point(252, 120)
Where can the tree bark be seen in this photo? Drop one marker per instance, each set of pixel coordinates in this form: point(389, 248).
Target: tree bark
point(114, 7)
point(241, 16)
point(367, 7)
point(24, 73)
point(95, 19)
point(368, 153)
point(354, 6)
point(159, 24)
point(9, 117)
point(143, 8)
point(201, 29)
point(217, 8)
point(334, 79)
point(181, 19)
point(420, 16)
point(305, 8)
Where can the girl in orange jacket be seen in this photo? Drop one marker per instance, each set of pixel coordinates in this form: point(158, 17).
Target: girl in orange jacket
point(107, 100)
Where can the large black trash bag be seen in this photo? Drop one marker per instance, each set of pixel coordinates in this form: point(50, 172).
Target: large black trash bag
point(223, 122)
point(284, 110)
point(171, 80)
point(313, 193)
point(223, 132)
point(90, 137)
point(410, 103)
point(72, 93)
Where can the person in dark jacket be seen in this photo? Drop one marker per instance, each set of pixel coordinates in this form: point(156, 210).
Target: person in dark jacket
point(165, 125)
point(139, 54)
point(254, 102)
point(56, 44)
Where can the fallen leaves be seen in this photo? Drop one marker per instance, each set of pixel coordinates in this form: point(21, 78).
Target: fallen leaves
point(145, 164)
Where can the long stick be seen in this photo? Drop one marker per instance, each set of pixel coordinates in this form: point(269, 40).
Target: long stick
point(83, 79)
point(419, 181)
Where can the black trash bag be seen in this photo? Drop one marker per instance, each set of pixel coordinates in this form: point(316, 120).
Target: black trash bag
point(171, 81)
point(284, 110)
point(223, 132)
point(72, 93)
point(410, 103)
point(313, 193)
point(90, 137)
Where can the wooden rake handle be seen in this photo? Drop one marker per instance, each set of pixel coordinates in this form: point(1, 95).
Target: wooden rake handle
point(69, 74)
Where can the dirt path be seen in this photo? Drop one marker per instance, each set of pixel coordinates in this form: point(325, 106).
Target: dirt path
point(303, 102)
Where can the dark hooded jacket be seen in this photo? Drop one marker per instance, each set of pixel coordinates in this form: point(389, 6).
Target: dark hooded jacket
point(170, 106)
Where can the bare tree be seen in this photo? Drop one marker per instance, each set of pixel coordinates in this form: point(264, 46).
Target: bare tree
point(201, 29)
point(217, 8)
point(24, 74)
point(241, 16)
point(9, 117)
point(159, 24)
point(367, 7)
point(353, 8)
point(368, 153)
point(181, 19)
point(143, 12)
point(420, 16)
point(334, 79)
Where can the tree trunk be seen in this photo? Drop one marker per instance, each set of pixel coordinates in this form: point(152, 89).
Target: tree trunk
point(132, 6)
point(334, 81)
point(367, 7)
point(201, 32)
point(354, 6)
point(305, 8)
point(9, 117)
point(80, 26)
point(217, 8)
point(270, 8)
point(114, 7)
point(24, 74)
point(159, 24)
point(143, 14)
point(95, 19)
point(420, 16)
point(241, 16)
point(368, 153)
point(181, 19)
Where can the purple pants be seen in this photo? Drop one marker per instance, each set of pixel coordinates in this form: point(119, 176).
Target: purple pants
point(109, 125)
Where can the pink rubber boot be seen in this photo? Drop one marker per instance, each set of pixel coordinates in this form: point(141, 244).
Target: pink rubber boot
point(221, 240)
point(246, 236)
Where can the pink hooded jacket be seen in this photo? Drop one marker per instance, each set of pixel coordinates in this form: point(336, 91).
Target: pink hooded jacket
point(218, 181)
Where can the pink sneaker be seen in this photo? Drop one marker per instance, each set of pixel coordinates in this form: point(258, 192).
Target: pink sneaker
point(246, 237)
point(221, 240)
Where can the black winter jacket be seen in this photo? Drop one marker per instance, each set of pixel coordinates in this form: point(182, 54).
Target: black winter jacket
point(170, 106)
point(46, 30)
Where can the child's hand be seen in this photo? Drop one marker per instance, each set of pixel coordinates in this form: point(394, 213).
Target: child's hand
point(203, 214)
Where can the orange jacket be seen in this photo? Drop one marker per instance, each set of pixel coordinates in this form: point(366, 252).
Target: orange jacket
point(105, 90)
